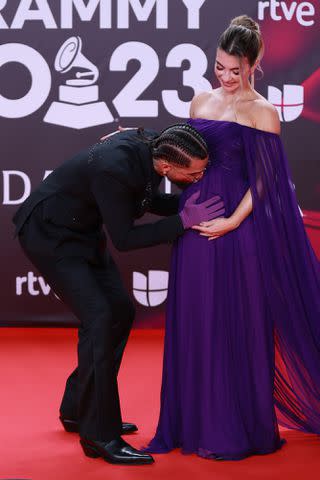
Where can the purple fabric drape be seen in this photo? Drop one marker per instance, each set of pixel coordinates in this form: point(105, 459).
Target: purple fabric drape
point(290, 272)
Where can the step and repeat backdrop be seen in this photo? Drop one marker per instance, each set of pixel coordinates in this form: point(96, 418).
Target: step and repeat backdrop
point(73, 70)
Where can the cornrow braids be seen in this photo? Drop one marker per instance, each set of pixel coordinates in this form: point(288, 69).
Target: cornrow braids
point(190, 129)
point(178, 144)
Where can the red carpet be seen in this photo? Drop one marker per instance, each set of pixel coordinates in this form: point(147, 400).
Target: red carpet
point(34, 364)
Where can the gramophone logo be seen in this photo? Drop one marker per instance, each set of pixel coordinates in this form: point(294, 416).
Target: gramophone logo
point(78, 106)
point(289, 104)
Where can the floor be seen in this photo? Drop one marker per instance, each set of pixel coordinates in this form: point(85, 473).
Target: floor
point(34, 363)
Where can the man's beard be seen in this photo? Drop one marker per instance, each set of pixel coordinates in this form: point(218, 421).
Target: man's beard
point(181, 185)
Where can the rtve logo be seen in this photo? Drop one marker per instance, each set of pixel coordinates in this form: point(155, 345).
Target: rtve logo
point(279, 10)
point(32, 285)
point(289, 104)
point(150, 290)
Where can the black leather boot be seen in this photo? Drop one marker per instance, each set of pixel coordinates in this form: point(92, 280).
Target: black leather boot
point(116, 451)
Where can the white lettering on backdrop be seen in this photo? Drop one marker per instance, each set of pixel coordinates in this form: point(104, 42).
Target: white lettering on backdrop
point(302, 11)
point(126, 101)
point(21, 178)
point(70, 10)
point(40, 80)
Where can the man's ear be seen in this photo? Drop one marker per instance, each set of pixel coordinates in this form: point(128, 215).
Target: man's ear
point(165, 166)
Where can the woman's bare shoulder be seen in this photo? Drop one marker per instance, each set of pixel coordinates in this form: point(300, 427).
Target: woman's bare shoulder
point(265, 116)
point(202, 100)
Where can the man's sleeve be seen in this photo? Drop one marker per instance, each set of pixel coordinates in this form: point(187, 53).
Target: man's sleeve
point(165, 204)
point(116, 205)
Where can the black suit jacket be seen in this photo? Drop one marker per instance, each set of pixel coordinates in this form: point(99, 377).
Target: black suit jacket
point(113, 182)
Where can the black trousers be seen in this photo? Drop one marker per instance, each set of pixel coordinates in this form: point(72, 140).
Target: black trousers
point(95, 294)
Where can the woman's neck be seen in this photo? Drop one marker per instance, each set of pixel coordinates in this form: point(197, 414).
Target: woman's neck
point(242, 93)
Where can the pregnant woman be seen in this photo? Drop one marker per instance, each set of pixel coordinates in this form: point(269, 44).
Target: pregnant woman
point(242, 346)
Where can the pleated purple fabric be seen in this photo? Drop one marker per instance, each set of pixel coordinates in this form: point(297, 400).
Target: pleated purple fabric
point(242, 343)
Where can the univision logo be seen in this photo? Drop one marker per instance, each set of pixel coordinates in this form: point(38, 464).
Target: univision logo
point(289, 103)
point(150, 290)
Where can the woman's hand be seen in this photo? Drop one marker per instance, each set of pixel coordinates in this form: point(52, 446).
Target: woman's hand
point(120, 129)
point(221, 225)
point(217, 227)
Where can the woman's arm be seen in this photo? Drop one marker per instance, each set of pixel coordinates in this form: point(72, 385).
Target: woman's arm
point(220, 226)
point(243, 210)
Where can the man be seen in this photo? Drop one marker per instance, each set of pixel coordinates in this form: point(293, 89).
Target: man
point(60, 228)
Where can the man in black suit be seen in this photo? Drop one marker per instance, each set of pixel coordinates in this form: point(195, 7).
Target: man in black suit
point(60, 228)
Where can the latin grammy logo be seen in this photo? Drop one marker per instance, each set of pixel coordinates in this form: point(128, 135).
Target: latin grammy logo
point(78, 106)
point(70, 55)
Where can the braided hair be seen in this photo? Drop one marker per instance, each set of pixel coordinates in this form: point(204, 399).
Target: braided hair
point(179, 144)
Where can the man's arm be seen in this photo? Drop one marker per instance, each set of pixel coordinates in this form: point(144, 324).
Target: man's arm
point(116, 204)
point(165, 204)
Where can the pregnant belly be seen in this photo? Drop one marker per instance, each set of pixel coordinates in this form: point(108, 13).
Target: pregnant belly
point(230, 187)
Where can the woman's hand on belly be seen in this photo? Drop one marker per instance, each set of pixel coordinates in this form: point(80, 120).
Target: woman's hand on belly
point(216, 228)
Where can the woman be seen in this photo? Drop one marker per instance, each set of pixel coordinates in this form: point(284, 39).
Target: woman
point(242, 346)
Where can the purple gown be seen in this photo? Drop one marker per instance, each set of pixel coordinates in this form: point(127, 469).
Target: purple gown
point(242, 344)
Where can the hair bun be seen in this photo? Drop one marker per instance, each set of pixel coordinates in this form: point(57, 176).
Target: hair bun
point(243, 39)
point(247, 22)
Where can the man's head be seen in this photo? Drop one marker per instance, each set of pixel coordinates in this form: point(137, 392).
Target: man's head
point(180, 153)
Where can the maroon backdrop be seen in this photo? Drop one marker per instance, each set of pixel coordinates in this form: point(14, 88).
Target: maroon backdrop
point(139, 64)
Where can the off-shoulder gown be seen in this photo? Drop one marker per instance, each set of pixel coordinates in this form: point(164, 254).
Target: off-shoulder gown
point(242, 343)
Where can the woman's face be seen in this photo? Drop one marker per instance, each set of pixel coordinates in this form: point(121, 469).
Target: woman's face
point(230, 72)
